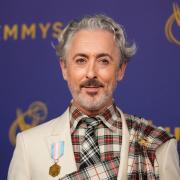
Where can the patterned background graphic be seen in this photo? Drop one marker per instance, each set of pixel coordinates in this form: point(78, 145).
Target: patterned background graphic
point(32, 89)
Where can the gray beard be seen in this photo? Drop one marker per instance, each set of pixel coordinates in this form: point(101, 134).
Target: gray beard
point(92, 103)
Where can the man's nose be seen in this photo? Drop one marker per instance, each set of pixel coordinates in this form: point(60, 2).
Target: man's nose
point(91, 70)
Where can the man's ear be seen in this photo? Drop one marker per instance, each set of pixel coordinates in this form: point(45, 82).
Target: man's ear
point(63, 68)
point(121, 71)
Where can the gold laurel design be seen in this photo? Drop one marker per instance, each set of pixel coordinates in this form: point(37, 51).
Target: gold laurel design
point(175, 17)
point(36, 113)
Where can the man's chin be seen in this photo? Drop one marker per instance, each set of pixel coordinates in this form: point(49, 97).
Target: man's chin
point(92, 104)
point(92, 108)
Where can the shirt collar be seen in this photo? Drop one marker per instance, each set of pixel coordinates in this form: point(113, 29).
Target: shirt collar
point(110, 117)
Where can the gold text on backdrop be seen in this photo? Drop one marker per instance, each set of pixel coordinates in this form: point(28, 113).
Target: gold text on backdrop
point(30, 31)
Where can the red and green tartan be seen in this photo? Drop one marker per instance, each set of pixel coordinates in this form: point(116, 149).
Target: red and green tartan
point(104, 170)
point(108, 133)
point(144, 140)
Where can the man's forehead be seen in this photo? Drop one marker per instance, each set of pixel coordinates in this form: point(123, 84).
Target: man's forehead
point(92, 41)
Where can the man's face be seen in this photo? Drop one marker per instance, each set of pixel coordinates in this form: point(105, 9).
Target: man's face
point(92, 69)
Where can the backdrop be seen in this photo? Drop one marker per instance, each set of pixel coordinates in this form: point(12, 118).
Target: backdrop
point(32, 90)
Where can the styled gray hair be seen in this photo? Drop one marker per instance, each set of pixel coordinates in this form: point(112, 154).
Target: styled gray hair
point(102, 22)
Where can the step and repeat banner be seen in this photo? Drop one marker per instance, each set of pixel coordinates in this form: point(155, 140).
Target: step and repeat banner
point(32, 90)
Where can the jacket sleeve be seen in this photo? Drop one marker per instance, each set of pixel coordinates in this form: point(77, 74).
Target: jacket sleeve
point(168, 160)
point(18, 169)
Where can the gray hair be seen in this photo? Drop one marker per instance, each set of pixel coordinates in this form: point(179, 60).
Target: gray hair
point(102, 22)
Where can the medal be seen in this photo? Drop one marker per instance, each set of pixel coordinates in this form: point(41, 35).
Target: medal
point(54, 170)
point(57, 150)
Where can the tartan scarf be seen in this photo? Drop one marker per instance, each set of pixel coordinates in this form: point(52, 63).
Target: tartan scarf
point(142, 163)
point(144, 141)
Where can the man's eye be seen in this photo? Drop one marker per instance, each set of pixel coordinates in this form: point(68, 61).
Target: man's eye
point(80, 61)
point(104, 61)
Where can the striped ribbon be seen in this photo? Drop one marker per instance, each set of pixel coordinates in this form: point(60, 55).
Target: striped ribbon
point(57, 150)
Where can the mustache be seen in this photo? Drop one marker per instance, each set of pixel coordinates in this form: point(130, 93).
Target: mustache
point(91, 82)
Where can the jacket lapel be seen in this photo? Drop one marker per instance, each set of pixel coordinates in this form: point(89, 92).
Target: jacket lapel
point(122, 173)
point(61, 132)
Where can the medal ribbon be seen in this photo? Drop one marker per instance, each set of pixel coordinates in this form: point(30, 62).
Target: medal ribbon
point(57, 150)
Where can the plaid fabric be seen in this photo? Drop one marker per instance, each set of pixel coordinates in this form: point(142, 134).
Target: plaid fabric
point(90, 153)
point(144, 140)
point(108, 133)
point(106, 170)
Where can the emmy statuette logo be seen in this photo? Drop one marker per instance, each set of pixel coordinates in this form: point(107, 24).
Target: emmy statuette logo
point(172, 23)
point(36, 113)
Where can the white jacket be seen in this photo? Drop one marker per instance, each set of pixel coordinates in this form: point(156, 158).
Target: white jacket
point(31, 159)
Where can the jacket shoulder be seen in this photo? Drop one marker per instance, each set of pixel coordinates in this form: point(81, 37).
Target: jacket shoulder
point(40, 130)
point(145, 131)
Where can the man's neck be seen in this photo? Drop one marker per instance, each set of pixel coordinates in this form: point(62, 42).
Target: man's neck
point(91, 113)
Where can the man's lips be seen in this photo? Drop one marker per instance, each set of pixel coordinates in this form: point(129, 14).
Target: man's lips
point(91, 89)
point(92, 86)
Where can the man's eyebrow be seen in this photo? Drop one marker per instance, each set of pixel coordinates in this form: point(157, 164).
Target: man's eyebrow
point(79, 54)
point(104, 54)
point(97, 56)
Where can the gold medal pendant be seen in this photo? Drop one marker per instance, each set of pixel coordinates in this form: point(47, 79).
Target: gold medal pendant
point(54, 170)
point(57, 151)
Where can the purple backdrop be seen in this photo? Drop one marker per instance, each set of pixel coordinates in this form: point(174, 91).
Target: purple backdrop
point(32, 89)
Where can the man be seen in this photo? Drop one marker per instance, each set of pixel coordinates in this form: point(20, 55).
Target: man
point(94, 139)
